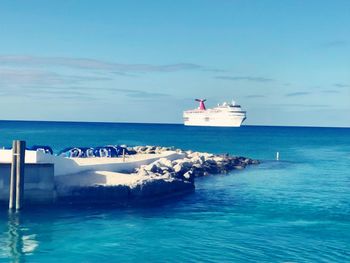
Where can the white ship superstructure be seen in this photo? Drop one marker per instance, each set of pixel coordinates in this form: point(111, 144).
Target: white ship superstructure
point(224, 115)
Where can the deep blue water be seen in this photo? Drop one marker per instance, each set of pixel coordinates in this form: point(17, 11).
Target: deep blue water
point(293, 210)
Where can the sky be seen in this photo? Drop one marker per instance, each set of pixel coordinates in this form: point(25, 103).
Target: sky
point(284, 62)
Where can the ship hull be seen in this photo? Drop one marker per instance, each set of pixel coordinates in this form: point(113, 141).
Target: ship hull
point(216, 120)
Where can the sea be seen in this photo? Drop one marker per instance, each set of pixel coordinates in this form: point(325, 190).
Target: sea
point(295, 209)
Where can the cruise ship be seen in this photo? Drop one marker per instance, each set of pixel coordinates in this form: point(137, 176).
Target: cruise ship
point(224, 115)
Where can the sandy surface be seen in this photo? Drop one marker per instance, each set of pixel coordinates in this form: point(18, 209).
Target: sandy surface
point(128, 158)
point(113, 178)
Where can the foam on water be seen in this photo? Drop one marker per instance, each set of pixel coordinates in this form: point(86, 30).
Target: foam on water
point(293, 210)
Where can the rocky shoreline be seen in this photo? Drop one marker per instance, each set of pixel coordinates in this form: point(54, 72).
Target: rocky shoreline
point(163, 177)
point(193, 164)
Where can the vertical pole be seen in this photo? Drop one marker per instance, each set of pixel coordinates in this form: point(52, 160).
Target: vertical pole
point(277, 156)
point(123, 155)
point(21, 146)
point(12, 192)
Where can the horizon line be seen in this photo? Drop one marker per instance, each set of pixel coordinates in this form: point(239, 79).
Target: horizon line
point(173, 123)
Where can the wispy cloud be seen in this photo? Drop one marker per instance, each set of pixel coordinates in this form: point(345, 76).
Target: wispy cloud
point(29, 77)
point(124, 74)
point(141, 94)
point(75, 92)
point(335, 43)
point(255, 96)
point(215, 70)
point(245, 78)
point(330, 91)
point(26, 75)
point(94, 64)
point(132, 93)
point(342, 85)
point(300, 93)
point(47, 93)
point(301, 105)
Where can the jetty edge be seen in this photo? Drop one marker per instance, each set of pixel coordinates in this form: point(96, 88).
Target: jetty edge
point(151, 172)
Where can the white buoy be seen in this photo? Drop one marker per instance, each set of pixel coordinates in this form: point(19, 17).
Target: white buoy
point(277, 156)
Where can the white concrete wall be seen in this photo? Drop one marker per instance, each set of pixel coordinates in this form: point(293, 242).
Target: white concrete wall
point(39, 183)
point(30, 156)
point(64, 166)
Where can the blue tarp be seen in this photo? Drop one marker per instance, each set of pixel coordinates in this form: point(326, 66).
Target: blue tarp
point(46, 149)
point(100, 151)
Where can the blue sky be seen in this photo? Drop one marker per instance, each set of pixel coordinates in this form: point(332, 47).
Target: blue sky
point(285, 62)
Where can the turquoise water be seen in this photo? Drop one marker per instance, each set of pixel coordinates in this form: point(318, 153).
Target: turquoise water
point(293, 210)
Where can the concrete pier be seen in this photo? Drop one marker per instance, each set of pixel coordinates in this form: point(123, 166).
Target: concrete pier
point(147, 174)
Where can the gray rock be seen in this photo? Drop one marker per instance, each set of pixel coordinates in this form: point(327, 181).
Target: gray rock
point(186, 163)
point(164, 162)
point(160, 187)
point(197, 160)
point(188, 175)
point(197, 172)
point(142, 148)
point(178, 168)
point(142, 172)
point(132, 151)
point(210, 162)
point(151, 167)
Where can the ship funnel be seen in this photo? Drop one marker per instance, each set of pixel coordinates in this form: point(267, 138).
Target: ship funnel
point(201, 104)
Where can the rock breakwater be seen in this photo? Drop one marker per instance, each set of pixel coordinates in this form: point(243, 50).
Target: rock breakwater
point(160, 178)
point(193, 164)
